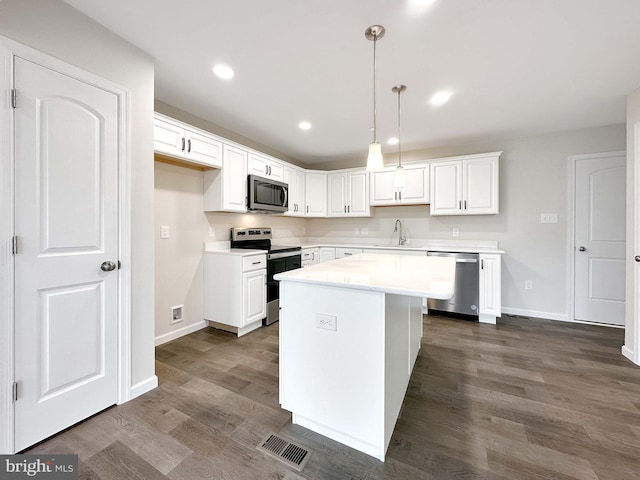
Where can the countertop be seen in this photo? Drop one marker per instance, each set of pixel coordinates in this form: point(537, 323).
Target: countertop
point(418, 248)
point(431, 277)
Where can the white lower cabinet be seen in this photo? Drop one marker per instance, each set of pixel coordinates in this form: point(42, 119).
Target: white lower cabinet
point(327, 254)
point(342, 252)
point(490, 288)
point(239, 302)
point(310, 256)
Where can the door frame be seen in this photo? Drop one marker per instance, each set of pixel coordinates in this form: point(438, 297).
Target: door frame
point(8, 50)
point(571, 233)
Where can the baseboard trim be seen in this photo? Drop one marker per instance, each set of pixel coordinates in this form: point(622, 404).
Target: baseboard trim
point(143, 387)
point(181, 332)
point(561, 317)
point(626, 352)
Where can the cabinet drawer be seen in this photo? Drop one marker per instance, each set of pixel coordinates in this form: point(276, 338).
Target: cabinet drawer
point(254, 262)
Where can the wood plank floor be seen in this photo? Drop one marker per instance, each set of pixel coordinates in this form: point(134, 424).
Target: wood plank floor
point(525, 399)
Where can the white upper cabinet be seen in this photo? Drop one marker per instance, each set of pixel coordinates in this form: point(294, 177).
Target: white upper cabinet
point(316, 194)
point(415, 192)
point(264, 167)
point(226, 190)
point(295, 178)
point(348, 194)
point(186, 143)
point(465, 186)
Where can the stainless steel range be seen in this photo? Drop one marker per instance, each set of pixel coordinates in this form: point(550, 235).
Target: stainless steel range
point(279, 259)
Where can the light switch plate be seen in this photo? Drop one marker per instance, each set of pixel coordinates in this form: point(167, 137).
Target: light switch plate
point(455, 232)
point(548, 218)
point(212, 231)
point(164, 231)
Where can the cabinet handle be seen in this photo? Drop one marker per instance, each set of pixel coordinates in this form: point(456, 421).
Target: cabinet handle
point(348, 208)
point(399, 195)
point(189, 146)
point(482, 264)
point(345, 209)
point(182, 144)
point(459, 204)
point(307, 208)
point(465, 204)
point(395, 195)
point(347, 254)
point(256, 263)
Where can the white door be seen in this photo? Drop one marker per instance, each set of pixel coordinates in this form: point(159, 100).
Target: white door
point(316, 194)
point(358, 200)
point(600, 239)
point(337, 194)
point(446, 188)
point(416, 190)
point(234, 174)
point(480, 186)
point(66, 221)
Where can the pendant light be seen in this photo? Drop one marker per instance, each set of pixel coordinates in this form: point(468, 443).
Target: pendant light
point(399, 179)
point(374, 160)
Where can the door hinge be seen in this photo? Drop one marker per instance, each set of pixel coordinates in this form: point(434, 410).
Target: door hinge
point(13, 97)
point(14, 392)
point(14, 245)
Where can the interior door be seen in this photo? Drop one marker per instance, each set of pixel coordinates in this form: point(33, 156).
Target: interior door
point(66, 221)
point(600, 206)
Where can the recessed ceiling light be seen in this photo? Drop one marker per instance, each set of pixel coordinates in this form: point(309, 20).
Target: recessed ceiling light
point(422, 3)
point(223, 71)
point(440, 98)
point(304, 125)
point(392, 141)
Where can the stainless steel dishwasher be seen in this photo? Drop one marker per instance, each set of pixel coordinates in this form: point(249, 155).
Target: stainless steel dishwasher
point(465, 293)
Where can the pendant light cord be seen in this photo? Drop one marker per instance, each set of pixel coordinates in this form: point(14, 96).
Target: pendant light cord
point(375, 129)
point(399, 141)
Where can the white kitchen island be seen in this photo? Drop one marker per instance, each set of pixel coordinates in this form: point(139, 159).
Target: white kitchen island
point(350, 332)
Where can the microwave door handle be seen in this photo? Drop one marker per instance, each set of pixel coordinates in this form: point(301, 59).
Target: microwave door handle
point(285, 193)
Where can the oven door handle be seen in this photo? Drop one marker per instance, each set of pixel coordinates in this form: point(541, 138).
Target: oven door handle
point(275, 256)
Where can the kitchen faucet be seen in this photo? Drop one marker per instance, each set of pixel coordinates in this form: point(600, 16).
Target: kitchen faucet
point(398, 228)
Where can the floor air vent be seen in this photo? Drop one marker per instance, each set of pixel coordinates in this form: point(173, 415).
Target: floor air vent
point(287, 452)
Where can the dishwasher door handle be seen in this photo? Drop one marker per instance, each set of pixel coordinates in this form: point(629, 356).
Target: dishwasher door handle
point(466, 260)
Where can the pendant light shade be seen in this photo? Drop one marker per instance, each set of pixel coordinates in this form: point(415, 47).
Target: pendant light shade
point(399, 178)
point(374, 160)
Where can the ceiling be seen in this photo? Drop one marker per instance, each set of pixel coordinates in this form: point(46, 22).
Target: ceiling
point(515, 67)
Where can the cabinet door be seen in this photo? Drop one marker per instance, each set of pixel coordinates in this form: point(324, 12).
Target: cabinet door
point(295, 179)
point(263, 167)
point(203, 149)
point(327, 254)
point(480, 186)
point(381, 189)
point(337, 194)
point(234, 180)
point(316, 194)
point(416, 191)
point(168, 138)
point(358, 200)
point(490, 286)
point(446, 188)
point(254, 296)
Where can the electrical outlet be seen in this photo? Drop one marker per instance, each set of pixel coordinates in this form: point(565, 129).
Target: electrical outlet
point(176, 314)
point(455, 232)
point(326, 322)
point(548, 218)
point(528, 285)
point(212, 231)
point(164, 231)
point(364, 231)
point(356, 231)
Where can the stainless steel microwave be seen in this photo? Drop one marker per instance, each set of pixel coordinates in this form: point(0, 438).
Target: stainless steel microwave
point(266, 195)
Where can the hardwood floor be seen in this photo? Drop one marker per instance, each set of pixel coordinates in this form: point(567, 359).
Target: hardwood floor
point(525, 399)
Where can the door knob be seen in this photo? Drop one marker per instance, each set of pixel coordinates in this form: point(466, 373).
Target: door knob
point(582, 249)
point(637, 258)
point(108, 266)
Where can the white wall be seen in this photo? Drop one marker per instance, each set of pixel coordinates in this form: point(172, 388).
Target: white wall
point(55, 28)
point(533, 180)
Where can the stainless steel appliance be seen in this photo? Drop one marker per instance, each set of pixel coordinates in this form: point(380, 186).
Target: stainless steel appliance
point(267, 196)
point(279, 259)
point(465, 293)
